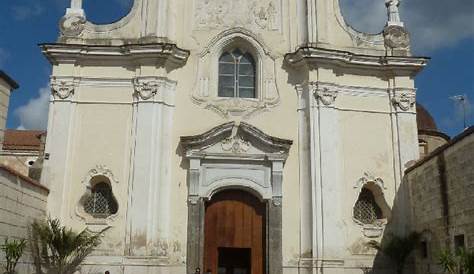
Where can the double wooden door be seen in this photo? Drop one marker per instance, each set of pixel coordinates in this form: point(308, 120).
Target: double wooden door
point(234, 234)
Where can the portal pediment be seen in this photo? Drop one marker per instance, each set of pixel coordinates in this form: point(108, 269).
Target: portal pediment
point(232, 140)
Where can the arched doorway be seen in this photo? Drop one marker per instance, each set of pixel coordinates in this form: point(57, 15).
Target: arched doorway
point(234, 234)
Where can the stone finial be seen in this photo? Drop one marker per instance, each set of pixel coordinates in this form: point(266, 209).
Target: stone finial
point(393, 9)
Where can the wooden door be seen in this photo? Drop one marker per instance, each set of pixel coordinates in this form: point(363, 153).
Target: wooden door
point(234, 231)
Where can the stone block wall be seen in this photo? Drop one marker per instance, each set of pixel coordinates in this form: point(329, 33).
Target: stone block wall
point(442, 199)
point(22, 200)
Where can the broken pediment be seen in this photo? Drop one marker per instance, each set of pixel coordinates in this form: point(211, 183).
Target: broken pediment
point(232, 139)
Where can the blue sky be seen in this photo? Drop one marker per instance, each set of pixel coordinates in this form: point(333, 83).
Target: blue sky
point(442, 29)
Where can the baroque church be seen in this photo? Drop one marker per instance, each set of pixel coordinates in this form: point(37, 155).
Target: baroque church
point(230, 137)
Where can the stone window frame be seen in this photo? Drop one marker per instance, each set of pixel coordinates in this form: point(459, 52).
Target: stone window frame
point(206, 92)
point(377, 186)
point(96, 175)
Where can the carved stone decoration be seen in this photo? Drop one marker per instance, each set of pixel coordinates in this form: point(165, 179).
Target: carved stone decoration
point(95, 224)
point(235, 145)
point(100, 170)
point(206, 88)
point(404, 101)
point(393, 9)
point(145, 88)
point(396, 37)
point(63, 88)
point(72, 25)
point(369, 177)
point(260, 14)
point(325, 95)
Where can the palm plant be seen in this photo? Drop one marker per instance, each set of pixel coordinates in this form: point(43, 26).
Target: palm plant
point(453, 263)
point(397, 249)
point(13, 251)
point(59, 250)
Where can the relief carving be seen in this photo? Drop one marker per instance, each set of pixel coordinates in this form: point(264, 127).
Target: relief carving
point(72, 25)
point(235, 144)
point(325, 95)
point(62, 89)
point(262, 14)
point(396, 37)
point(145, 89)
point(404, 101)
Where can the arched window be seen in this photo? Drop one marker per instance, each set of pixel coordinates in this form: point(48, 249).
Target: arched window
point(101, 203)
point(366, 209)
point(237, 74)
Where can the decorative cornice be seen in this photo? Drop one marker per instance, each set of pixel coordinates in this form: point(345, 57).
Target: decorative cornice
point(71, 53)
point(394, 64)
point(404, 101)
point(240, 133)
point(62, 88)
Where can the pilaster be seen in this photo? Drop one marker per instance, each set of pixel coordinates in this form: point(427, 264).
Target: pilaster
point(153, 110)
point(58, 149)
point(328, 156)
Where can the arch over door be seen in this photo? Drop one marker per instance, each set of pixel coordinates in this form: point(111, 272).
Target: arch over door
point(234, 234)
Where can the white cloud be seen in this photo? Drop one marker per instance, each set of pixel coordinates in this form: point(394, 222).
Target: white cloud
point(34, 115)
point(434, 24)
point(21, 13)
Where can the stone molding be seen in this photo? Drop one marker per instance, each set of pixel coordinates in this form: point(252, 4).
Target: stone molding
point(376, 229)
point(398, 65)
point(169, 54)
point(226, 145)
point(63, 88)
point(96, 224)
point(206, 92)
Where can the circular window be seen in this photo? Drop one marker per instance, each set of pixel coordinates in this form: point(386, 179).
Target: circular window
point(106, 11)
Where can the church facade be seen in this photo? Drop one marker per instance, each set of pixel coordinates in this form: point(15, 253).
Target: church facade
point(257, 136)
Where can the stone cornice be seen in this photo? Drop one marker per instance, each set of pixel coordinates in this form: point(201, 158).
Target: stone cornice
point(395, 64)
point(247, 132)
point(71, 53)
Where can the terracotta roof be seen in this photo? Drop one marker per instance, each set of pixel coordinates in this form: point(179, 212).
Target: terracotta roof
point(22, 140)
point(24, 178)
point(9, 80)
point(424, 119)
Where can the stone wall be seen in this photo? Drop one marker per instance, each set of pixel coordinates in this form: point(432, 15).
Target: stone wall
point(21, 201)
point(442, 191)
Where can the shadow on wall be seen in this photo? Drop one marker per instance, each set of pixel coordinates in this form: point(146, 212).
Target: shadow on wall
point(400, 243)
